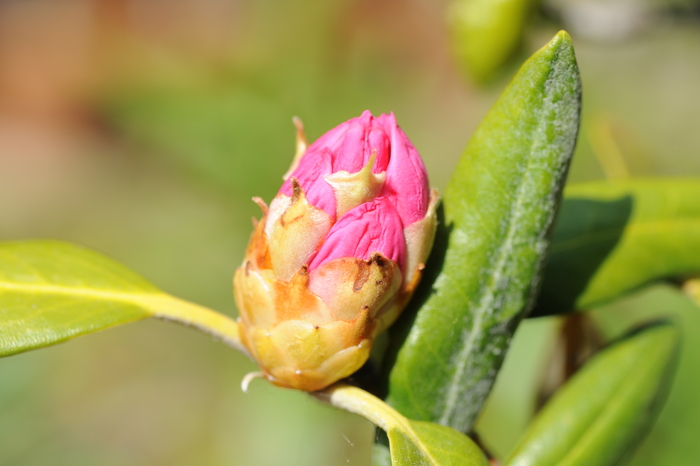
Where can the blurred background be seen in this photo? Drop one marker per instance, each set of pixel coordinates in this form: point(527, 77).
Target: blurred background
point(142, 128)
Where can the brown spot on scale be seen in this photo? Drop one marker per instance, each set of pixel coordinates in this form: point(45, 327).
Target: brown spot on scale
point(363, 270)
point(247, 268)
point(387, 271)
point(297, 196)
point(378, 259)
point(296, 190)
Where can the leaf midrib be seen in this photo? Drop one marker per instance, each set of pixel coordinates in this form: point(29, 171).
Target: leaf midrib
point(48, 289)
point(407, 430)
point(495, 274)
point(155, 304)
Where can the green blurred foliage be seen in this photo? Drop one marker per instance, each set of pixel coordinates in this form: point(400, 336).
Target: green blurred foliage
point(152, 156)
point(486, 34)
point(602, 414)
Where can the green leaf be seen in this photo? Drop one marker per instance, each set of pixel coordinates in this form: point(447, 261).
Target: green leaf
point(603, 412)
point(412, 443)
point(52, 291)
point(424, 443)
point(486, 33)
point(498, 207)
point(614, 237)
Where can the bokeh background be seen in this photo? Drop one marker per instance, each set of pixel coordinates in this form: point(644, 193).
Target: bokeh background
point(142, 128)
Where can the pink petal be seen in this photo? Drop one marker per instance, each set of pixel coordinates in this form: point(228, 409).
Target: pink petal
point(406, 178)
point(348, 147)
point(332, 138)
point(368, 228)
point(357, 147)
point(309, 174)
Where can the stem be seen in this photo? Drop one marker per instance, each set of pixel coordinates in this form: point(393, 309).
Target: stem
point(360, 402)
point(220, 326)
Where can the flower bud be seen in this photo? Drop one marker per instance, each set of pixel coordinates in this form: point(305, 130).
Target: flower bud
point(338, 253)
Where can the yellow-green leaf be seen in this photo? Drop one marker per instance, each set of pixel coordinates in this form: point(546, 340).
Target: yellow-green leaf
point(603, 412)
point(52, 291)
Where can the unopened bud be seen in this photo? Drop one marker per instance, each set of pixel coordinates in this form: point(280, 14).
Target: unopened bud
point(338, 253)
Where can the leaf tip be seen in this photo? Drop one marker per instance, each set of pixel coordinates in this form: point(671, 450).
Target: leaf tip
point(561, 37)
point(561, 46)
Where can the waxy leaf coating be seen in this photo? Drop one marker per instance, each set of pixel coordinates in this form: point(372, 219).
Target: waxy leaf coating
point(499, 209)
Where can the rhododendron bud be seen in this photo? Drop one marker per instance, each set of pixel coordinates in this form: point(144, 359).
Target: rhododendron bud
point(337, 254)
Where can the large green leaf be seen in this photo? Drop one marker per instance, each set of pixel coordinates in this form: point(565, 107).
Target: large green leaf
point(613, 237)
point(52, 291)
point(603, 412)
point(498, 208)
point(412, 443)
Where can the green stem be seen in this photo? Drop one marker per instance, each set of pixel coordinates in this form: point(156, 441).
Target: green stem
point(218, 325)
point(358, 401)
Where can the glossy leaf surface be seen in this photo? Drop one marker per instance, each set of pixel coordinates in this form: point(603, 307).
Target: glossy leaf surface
point(412, 443)
point(613, 237)
point(426, 443)
point(602, 413)
point(498, 207)
point(52, 291)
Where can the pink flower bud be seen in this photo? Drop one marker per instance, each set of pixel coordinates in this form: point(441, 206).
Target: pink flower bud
point(374, 226)
point(337, 255)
